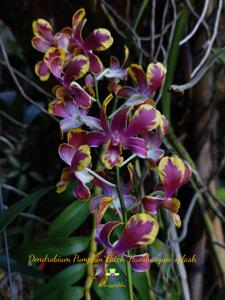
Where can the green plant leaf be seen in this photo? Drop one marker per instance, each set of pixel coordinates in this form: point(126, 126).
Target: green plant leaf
point(220, 193)
point(68, 276)
point(18, 266)
point(65, 293)
point(69, 220)
point(51, 247)
point(9, 215)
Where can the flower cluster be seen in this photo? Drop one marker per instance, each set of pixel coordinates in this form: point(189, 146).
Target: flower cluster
point(133, 130)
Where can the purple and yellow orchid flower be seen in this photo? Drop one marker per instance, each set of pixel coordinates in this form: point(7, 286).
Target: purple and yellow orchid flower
point(109, 198)
point(153, 140)
point(140, 231)
point(72, 116)
point(147, 83)
point(119, 135)
point(44, 38)
point(76, 154)
point(98, 40)
point(67, 76)
point(173, 173)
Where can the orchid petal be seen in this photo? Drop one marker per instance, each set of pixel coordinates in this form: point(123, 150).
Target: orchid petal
point(173, 173)
point(82, 98)
point(103, 232)
point(112, 155)
point(81, 191)
point(99, 40)
point(155, 75)
point(137, 74)
point(136, 146)
point(76, 69)
point(81, 159)
point(96, 138)
point(40, 44)
point(42, 71)
point(43, 29)
point(95, 63)
point(140, 262)
point(66, 153)
point(77, 137)
point(145, 118)
point(141, 230)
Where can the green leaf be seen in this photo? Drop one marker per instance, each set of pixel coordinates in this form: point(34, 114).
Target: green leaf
point(51, 247)
point(69, 220)
point(220, 193)
point(9, 215)
point(68, 276)
point(18, 266)
point(65, 293)
point(140, 282)
point(111, 293)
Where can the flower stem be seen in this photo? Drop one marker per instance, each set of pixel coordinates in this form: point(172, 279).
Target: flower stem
point(96, 91)
point(124, 212)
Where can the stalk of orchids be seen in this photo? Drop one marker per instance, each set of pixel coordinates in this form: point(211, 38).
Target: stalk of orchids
point(105, 138)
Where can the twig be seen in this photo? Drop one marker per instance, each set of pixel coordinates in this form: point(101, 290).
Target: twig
point(152, 29)
point(100, 178)
point(200, 20)
point(180, 266)
point(4, 114)
point(188, 216)
point(181, 88)
point(211, 41)
point(6, 250)
point(19, 85)
point(26, 79)
point(13, 189)
point(191, 8)
point(218, 244)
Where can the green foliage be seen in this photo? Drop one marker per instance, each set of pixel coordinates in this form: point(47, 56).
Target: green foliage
point(69, 219)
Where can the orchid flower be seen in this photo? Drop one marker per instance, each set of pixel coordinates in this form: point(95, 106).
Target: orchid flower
point(73, 116)
point(119, 135)
point(173, 173)
point(153, 140)
point(147, 83)
point(98, 40)
point(67, 76)
point(44, 38)
point(76, 154)
point(140, 231)
point(100, 203)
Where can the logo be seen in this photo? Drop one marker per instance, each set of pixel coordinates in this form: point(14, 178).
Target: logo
point(112, 273)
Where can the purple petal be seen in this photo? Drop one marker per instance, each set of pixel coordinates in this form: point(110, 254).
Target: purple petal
point(103, 233)
point(92, 122)
point(138, 75)
point(145, 118)
point(76, 69)
point(119, 121)
point(96, 138)
point(42, 71)
point(40, 44)
point(139, 263)
point(136, 146)
point(99, 40)
point(141, 230)
point(66, 153)
point(77, 137)
point(112, 155)
point(95, 63)
point(81, 191)
point(155, 75)
point(81, 158)
point(151, 203)
point(43, 29)
point(94, 203)
point(126, 92)
point(82, 98)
